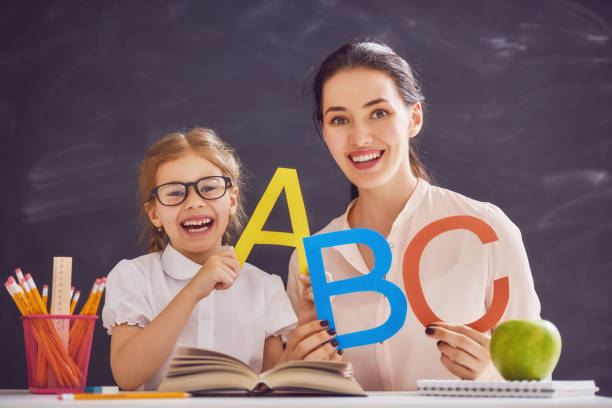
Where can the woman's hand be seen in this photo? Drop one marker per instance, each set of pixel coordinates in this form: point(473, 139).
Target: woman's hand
point(312, 341)
point(464, 351)
point(218, 272)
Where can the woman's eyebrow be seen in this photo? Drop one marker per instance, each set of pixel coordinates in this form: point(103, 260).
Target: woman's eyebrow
point(374, 102)
point(334, 109)
point(366, 105)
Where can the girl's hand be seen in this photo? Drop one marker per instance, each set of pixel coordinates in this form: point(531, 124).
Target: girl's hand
point(306, 309)
point(464, 351)
point(218, 272)
point(312, 341)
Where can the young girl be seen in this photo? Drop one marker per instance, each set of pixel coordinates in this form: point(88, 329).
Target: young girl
point(191, 290)
point(368, 106)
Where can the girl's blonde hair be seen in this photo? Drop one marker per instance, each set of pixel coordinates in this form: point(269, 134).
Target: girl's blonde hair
point(205, 143)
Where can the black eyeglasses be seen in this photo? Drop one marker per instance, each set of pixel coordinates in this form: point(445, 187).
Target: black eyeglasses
point(175, 193)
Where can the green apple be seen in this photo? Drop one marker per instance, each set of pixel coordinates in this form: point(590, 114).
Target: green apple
point(525, 349)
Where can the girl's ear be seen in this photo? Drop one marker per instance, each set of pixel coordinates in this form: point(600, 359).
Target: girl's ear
point(152, 213)
point(416, 120)
point(233, 196)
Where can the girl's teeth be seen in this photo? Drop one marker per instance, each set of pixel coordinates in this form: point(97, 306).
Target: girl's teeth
point(198, 229)
point(197, 222)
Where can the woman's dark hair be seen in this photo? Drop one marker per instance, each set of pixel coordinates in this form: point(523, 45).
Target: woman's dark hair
point(380, 57)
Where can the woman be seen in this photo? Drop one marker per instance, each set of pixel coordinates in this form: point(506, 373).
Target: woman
point(368, 106)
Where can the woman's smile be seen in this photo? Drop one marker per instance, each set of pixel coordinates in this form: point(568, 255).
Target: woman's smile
point(365, 159)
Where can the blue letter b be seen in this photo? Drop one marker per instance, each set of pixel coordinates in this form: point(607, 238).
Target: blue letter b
point(373, 281)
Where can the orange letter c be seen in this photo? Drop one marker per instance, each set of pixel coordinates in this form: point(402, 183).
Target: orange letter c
point(412, 280)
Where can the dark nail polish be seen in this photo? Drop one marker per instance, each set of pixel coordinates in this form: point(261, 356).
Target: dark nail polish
point(340, 351)
point(331, 332)
point(438, 342)
point(324, 323)
point(429, 331)
point(334, 343)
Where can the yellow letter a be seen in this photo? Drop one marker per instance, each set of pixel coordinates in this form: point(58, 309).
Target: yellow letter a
point(253, 233)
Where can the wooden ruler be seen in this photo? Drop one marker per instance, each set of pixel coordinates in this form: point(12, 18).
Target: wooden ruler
point(62, 277)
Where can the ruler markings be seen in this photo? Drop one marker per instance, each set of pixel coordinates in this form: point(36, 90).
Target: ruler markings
point(62, 277)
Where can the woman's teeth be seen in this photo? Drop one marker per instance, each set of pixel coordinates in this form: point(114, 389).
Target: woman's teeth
point(365, 157)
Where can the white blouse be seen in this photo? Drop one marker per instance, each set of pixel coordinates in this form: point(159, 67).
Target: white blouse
point(235, 321)
point(456, 271)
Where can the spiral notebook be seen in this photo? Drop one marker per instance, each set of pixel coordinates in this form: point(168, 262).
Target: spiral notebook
point(529, 389)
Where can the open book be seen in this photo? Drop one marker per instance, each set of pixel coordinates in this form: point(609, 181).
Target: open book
point(206, 372)
point(533, 389)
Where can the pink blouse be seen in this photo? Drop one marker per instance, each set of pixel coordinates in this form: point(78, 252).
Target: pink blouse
point(456, 271)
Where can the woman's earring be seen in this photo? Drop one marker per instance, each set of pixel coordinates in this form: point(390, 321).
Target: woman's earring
point(160, 229)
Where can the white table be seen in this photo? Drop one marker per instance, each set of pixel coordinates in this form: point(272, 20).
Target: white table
point(23, 399)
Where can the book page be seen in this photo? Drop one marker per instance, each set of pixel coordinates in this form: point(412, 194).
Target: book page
point(209, 381)
point(300, 378)
point(193, 369)
point(205, 362)
point(174, 371)
point(183, 352)
point(340, 368)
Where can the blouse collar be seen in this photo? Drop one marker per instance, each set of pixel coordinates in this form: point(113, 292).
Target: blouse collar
point(351, 253)
point(178, 265)
point(410, 207)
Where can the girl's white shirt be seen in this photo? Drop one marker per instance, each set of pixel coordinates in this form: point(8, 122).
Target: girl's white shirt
point(235, 321)
point(456, 271)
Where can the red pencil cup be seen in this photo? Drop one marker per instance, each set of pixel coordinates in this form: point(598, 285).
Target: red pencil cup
point(57, 352)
